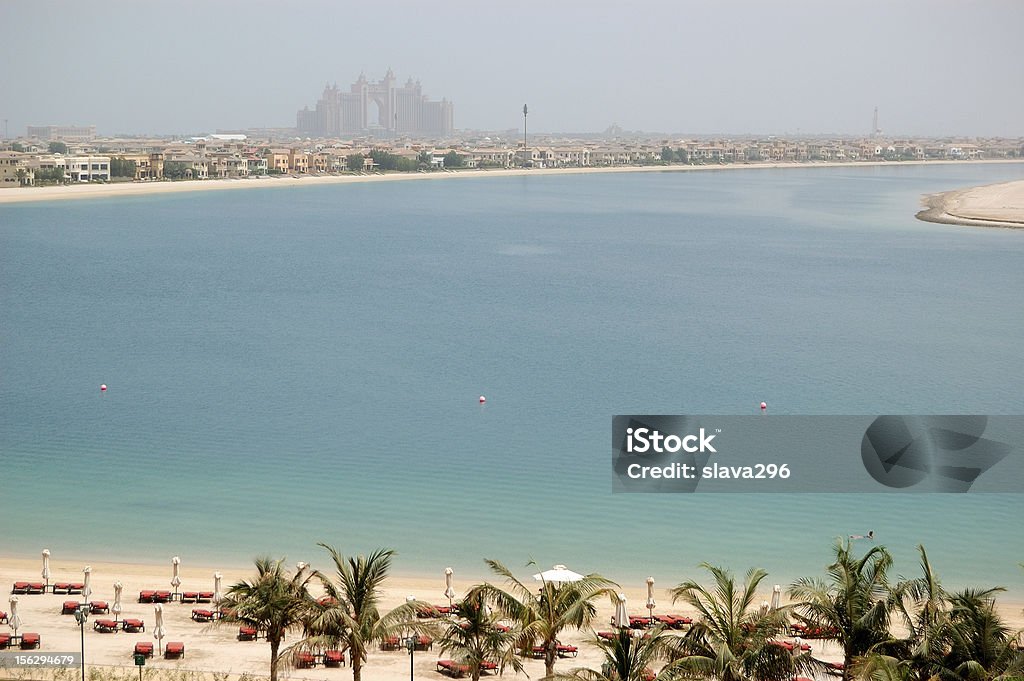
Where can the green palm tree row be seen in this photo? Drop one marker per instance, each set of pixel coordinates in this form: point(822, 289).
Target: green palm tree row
point(944, 636)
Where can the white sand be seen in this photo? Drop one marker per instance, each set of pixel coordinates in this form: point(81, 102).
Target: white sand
point(210, 648)
point(82, 191)
point(994, 205)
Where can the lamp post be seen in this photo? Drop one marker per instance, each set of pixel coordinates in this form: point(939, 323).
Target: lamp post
point(410, 642)
point(81, 615)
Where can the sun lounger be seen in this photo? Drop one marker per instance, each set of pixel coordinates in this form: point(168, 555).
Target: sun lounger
point(60, 587)
point(69, 607)
point(30, 641)
point(452, 668)
point(390, 643)
point(106, 626)
point(488, 666)
point(567, 651)
point(36, 588)
point(146, 596)
point(636, 622)
point(144, 648)
point(201, 615)
point(20, 588)
point(174, 650)
point(607, 635)
point(305, 660)
point(162, 597)
point(75, 587)
point(5, 641)
point(3, 617)
point(673, 621)
point(424, 643)
point(247, 633)
point(204, 597)
point(99, 607)
point(133, 626)
point(790, 646)
point(189, 596)
point(334, 658)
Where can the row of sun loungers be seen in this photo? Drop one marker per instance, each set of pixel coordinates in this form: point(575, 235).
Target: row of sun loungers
point(33, 588)
point(805, 631)
point(95, 607)
point(172, 650)
point(330, 658)
point(537, 652)
point(395, 643)
point(26, 641)
point(667, 621)
point(435, 611)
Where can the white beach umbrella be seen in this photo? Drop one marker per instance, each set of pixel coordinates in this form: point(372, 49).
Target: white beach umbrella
point(558, 575)
point(300, 569)
point(175, 578)
point(776, 594)
point(158, 631)
point(650, 598)
point(14, 620)
point(46, 566)
point(449, 592)
point(217, 595)
point(620, 619)
point(116, 607)
point(86, 584)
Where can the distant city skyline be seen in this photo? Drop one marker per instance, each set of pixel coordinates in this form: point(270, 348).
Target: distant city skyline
point(931, 67)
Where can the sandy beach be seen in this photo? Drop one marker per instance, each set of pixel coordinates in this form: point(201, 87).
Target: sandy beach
point(994, 205)
point(215, 648)
point(123, 189)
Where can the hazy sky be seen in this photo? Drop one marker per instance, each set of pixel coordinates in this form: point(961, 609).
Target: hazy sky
point(932, 67)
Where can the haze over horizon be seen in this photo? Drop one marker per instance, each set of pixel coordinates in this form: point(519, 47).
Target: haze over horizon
point(933, 68)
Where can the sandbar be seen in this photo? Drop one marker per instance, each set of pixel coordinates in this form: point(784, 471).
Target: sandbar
point(993, 205)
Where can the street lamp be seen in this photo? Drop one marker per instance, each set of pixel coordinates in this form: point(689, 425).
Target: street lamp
point(81, 615)
point(410, 642)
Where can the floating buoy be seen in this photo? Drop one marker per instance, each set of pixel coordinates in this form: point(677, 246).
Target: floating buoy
point(482, 399)
point(764, 406)
point(103, 388)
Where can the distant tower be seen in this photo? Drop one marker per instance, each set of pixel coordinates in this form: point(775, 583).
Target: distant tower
point(875, 130)
point(525, 111)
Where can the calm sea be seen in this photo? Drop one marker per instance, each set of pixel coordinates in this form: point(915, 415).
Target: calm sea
point(294, 365)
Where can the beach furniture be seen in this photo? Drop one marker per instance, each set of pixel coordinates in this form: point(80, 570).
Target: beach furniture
point(790, 646)
point(20, 588)
point(607, 635)
point(69, 607)
point(133, 626)
point(806, 631)
point(36, 588)
point(424, 642)
point(201, 615)
point(189, 596)
point(162, 596)
point(334, 658)
point(305, 660)
point(637, 622)
point(144, 648)
point(5, 641)
point(390, 643)
point(60, 587)
point(673, 621)
point(106, 626)
point(452, 668)
point(246, 633)
point(567, 651)
point(99, 607)
point(30, 641)
point(204, 597)
point(146, 596)
point(434, 611)
point(174, 650)
point(75, 587)
point(3, 617)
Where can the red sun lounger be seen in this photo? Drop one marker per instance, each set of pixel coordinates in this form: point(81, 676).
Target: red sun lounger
point(133, 626)
point(69, 607)
point(5, 641)
point(174, 650)
point(334, 658)
point(305, 660)
point(36, 588)
point(201, 615)
point(106, 626)
point(61, 587)
point(204, 597)
point(144, 648)
point(146, 596)
point(20, 588)
point(3, 617)
point(189, 596)
point(99, 607)
point(161, 596)
point(246, 633)
point(29, 641)
point(75, 587)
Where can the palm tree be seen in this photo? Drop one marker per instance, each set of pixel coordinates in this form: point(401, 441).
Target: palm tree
point(981, 646)
point(922, 604)
point(732, 640)
point(543, 615)
point(349, 615)
point(273, 603)
point(855, 603)
point(478, 637)
point(630, 658)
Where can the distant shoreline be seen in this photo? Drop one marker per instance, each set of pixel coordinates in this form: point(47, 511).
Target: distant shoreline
point(993, 205)
point(94, 191)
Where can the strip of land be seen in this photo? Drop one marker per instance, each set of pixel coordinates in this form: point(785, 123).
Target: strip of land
point(994, 205)
point(125, 189)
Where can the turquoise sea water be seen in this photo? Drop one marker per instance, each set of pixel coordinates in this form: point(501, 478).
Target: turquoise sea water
point(294, 365)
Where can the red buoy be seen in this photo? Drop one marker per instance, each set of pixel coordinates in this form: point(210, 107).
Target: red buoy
point(103, 388)
point(482, 399)
point(764, 406)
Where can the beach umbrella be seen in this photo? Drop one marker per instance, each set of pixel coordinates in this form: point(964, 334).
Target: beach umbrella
point(116, 607)
point(558, 575)
point(620, 619)
point(46, 566)
point(776, 594)
point(449, 592)
point(86, 584)
point(650, 598)
point(158, 631)
point(300, 568)
point(217, 595)
point(175, 579)
point(14, 619)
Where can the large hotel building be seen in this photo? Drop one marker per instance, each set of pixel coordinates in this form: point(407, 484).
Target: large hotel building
point(399, 110)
